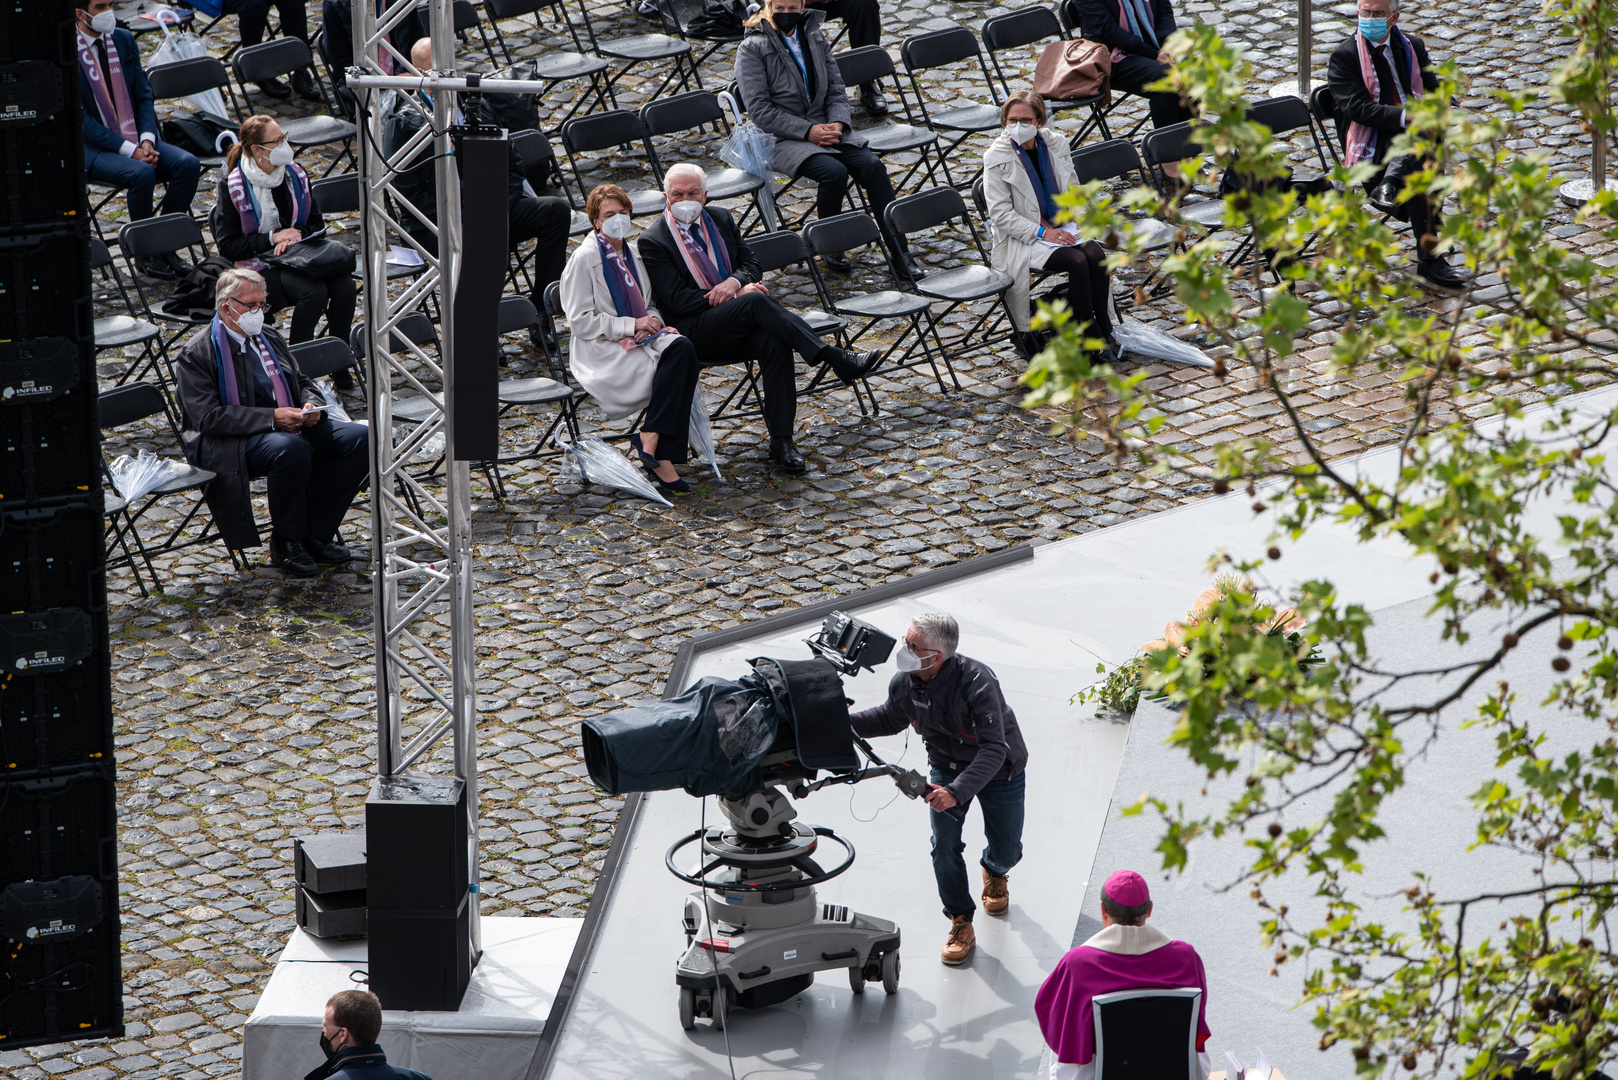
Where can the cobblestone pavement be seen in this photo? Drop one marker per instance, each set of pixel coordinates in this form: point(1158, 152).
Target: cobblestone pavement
point(244, 701)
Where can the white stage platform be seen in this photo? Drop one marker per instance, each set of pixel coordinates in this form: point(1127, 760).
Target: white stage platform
point(492, 1037)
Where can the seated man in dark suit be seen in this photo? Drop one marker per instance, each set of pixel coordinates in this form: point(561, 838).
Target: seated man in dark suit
point(1136, 31)
point(706, 280)
point(1372, 76)
point(121, 147)
point(542, 219)
point(247, 412)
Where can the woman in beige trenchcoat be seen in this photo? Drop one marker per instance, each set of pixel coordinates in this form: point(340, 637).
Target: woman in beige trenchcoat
point(622, 354)
point(1021, 216)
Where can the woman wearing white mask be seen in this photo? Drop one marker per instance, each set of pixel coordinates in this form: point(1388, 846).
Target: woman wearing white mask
point(264, 206)
point(1024, 169)
point(622, 353)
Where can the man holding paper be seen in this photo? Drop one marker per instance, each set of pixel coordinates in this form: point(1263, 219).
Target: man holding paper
point(1126, 955)
point(248, 411)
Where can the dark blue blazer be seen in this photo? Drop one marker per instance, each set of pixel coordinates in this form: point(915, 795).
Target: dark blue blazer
point(99, 132)
point(1098, 21)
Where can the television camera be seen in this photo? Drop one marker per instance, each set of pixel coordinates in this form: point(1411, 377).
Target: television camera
point(755, 930)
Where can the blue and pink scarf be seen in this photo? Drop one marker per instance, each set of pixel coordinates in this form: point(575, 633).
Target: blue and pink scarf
point(229, 391)
point(112, 103)
point(704, 269)
point(627, 299)
point(1362, 140)
point(247, 208)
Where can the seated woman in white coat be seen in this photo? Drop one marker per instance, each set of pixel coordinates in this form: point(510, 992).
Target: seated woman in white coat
point(622, 354)
point(1024, 169)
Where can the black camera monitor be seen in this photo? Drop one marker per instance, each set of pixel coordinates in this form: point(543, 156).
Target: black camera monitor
point(850, 643)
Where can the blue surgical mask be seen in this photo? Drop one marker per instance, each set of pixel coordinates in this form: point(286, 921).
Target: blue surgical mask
point(1374, 29)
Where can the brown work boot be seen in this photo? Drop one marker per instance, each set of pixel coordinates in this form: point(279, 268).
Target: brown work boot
point(961, 939)
point(996, 896)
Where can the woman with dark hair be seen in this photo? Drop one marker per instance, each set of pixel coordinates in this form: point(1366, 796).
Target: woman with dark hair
point(1024, 169)
point(264, 206)
point(791, 88)
point(622, 353)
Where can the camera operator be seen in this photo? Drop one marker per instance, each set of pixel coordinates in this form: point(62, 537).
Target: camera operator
point(974, 749)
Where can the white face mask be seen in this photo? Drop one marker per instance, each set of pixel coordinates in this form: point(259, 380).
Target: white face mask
point(617, 226)
point(250, 323)
point(1021, 131)
point(281, 155)
point(104, 22)
point(907, 660)
point(686, 211)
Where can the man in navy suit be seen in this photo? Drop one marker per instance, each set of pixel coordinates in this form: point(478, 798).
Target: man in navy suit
point(121, 147)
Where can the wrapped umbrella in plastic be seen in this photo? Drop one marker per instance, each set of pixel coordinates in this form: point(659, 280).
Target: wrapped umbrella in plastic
point(143, 473)
point(1141, 340)
point(591, 461)
point(701, 434)
point(752, 150)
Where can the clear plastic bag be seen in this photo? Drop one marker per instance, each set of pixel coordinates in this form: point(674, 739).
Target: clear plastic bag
point(701, 434)
point(591, 461)
point(751, 149)
point(1142, 340)
point(334, 404)
point(746, 727)
point(184, 45)
point(143, 473)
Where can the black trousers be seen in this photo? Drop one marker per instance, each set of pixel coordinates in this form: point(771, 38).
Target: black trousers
point(309, 298)
point(1134, 72)
point(545, 221)
point(255, 18)
point(832, 171)
point(314, 474)
point(1087, 283)
point(755, 326)
point(864, 19)
point(674, 384)
point(1421, 212)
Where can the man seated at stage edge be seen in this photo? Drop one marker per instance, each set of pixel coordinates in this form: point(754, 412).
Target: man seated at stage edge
point(1126, 955)
point(348, 1034)
point(706, 280)
point(246, 412)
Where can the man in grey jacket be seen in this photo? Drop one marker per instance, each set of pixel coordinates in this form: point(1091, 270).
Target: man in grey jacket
point(974, 749)
point(792, 89)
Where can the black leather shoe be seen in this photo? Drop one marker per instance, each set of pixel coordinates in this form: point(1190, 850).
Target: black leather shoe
point(874, 100)
point(327, 553)
point(275, 88)
point(543, 337)
point(291, 557)
point(1438, 273)
point(304, 86)
point(157, 266)
point(786, 457)
point(852, 366)
point(907, 266)
point(1385, 197)
point(175, 263)
point(837, 262)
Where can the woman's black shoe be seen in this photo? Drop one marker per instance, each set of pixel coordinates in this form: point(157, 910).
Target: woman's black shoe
point(649, 463)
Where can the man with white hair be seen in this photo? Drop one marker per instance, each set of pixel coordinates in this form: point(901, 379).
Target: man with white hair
point(249, 411)
point(706, 280)
point(974, 749)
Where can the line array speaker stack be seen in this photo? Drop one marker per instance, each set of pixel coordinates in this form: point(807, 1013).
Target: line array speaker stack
point(60, 975)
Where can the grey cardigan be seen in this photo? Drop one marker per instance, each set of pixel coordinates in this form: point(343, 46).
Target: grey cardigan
point(776, 99)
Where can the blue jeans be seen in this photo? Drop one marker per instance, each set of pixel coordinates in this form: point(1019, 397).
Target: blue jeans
point(1002, 802)
point(176, 167)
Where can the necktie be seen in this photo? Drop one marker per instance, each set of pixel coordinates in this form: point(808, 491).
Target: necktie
point(106, 68)
point(283, 396)
point(695, 231)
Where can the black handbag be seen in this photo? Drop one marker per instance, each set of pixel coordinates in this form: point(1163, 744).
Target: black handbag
point(321, 258)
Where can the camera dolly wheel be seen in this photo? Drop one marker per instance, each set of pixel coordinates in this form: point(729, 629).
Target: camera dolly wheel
point(688, 1008)
point(856, 979)
point(890, 972)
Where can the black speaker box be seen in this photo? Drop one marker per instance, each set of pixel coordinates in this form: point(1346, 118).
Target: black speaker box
point(37, 29)
point(50, 450)
point(62, 978)
point(58, 722)
point(52, 554)
point(418, 892)
point(59, 826)
point(45, 282)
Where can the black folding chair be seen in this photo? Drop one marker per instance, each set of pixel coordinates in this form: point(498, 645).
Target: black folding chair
point(129, 329)
point(1116, 159)
point(1323, 108)
point(165, 234)
point(1069, 13)
point(637, 49)
point(185, 78)
point(1146, 1033)
point(552, 69)
point(128, 404)
point(852, 231)
point(872, 64)
point(283, 56)
point(687, 112)
point(516, 314)
point(514, 9)
point(945, 48)
point(1286, 114)
point(965, 284)
point(1016, 30)
point(327, 356)
point(600, 131)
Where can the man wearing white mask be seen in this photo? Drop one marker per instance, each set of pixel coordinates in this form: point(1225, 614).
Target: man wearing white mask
point(706, 280)
point(974, 750)
point(249, 411)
